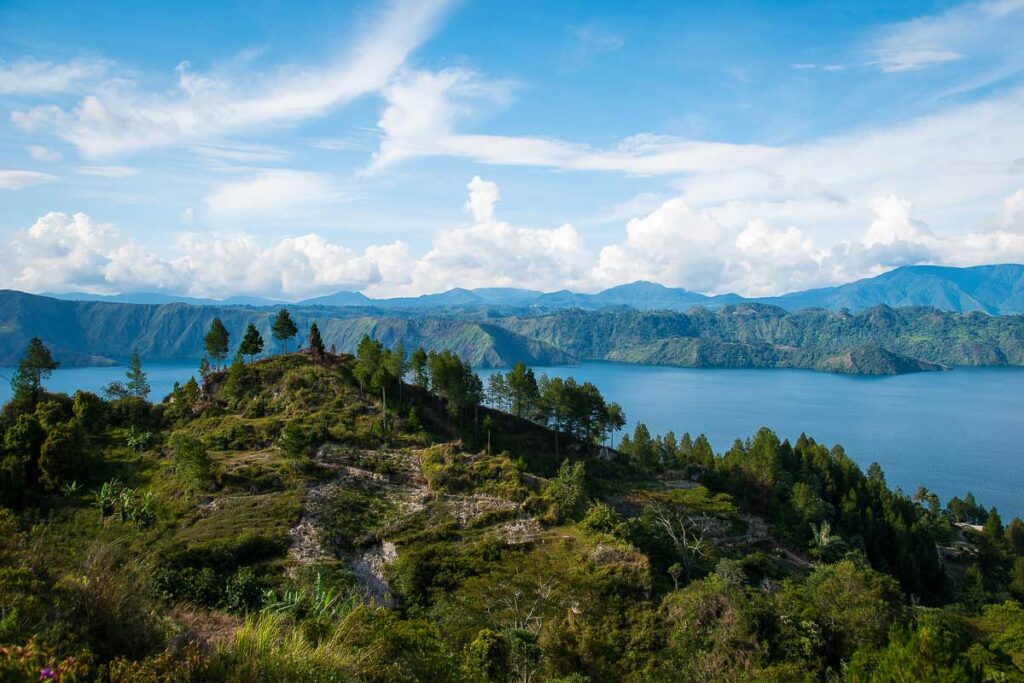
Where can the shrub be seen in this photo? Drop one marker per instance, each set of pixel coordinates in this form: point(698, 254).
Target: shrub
point(191, 461)
point(62, 456)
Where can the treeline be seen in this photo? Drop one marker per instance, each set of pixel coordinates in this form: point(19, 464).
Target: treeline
point(818, 498)
point(562, 405)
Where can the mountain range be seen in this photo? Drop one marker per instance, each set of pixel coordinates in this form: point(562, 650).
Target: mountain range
point(995, 289)
point(879, 340)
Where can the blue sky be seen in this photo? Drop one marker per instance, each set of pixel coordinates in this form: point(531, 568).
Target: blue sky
point(293, 149)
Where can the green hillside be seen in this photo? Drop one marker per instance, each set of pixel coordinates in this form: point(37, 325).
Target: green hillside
point(303, 520)
point(760, 336)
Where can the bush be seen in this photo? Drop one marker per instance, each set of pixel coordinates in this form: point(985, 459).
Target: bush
point(191, 461)
point(62, 456)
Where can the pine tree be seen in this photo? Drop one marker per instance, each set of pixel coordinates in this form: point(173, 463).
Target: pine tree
point(316, 344)
point(36, 365)
point(284, 328)
point(217, 340)
point(418, 362)
point(252, 342)
point(137, 385)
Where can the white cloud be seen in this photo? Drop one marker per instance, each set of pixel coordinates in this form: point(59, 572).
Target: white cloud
point(1012, 218)
point(272, 194)
point(16, 180)
point(118, 118)
point(107, 171)
point(968, 31)
point(61, 252)
point(35, 77)
point(676, 244)
point(41, 153)
point(483, 195)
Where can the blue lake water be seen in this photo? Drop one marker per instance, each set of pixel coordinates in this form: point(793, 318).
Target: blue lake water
point(952, 432)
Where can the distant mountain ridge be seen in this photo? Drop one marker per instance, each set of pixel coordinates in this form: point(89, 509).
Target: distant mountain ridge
point(995, 289)
point(880, 340)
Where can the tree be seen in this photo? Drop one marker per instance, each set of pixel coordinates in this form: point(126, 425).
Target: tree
point(216, 341)
point(252, 342)
point(35, 366)
point(316, 344)
point(237, 380)
point(568, 491)
point(686, 531)
point(369, 359)
point(283, 328)
point(191, 461)
point(418, 363)
point(137, 386)
point(522, 390)
point(62, 456)
point(615, 420)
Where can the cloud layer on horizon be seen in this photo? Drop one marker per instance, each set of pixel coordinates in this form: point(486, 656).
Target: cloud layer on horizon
point(676, 245)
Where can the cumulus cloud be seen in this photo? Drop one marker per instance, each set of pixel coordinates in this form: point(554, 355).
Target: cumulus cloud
point(61, 252)
point(119, 118)
point(36, 77)
point(16, 180)
point(675, 244)
point(492, 253)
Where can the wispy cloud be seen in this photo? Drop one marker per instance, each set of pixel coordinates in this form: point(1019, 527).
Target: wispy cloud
point(107, 171)
point(118, 118)
point(272, 195)
point(17, 180)
point(969, 31)
point(36, 77)
point(41, 153)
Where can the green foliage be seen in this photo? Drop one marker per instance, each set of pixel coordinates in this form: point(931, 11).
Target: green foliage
point(125, 503)
point(252, 342)
point(191, 462)
point(568, 491)
point(315, 344)
point(137, 386)
point(283, 328)
point(216, 341)
point(35, 366)
point(62, 457)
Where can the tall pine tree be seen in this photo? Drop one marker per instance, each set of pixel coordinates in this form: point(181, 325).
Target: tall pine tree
point(316, 344)
point(35, 366)
point(284, 328)
point(252, 342)
point(217, 341)
point(137, 385)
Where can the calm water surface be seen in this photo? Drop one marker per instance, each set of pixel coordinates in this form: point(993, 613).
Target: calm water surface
point(950, 431)
point(953, 432)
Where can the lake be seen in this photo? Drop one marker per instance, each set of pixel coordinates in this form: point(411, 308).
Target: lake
point(952, 432)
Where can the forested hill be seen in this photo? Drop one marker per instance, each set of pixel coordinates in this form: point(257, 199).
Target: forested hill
point(90, 333)
point(313, 518)
point(880, 340)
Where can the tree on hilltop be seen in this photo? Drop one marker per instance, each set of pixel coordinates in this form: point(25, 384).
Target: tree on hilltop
point(252, 342)
point(216, 341)
point(284, 328)
point(36, 365)
point(316, 344)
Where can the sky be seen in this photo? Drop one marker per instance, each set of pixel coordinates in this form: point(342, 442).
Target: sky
point(291, 150)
